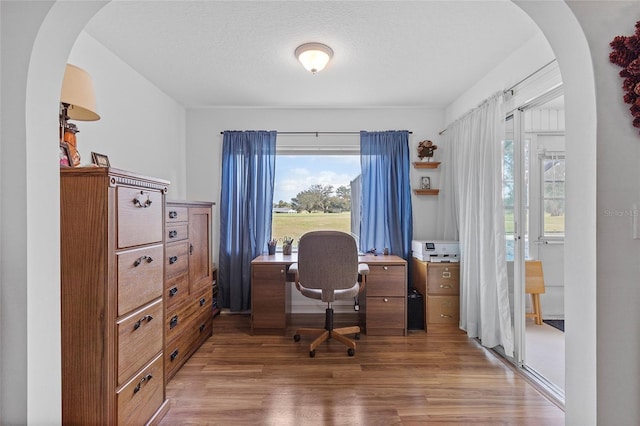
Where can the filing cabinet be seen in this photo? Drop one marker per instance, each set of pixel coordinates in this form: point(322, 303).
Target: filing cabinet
point(440, 284)
point(112, 303)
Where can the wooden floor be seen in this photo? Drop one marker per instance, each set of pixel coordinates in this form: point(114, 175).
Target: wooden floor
point(437, 378)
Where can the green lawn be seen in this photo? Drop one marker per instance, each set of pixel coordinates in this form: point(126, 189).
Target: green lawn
point(296, 224)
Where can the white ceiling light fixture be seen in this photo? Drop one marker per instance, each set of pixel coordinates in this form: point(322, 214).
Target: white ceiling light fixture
point(314, 56)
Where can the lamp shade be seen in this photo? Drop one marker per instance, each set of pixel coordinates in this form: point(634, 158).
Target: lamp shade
point(314, 56)
point(78, 93)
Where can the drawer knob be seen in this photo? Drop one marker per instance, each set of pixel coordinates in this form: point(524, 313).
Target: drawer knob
point(446, 275)
point(174, 355)
point(173, 233)
point(445, 316)
point(202, 326)
point(203, 301)
point(141, 259)
point(142, 204)
point(173, 322)
point(144, 379)
point(138, 323)
point(173, 214)
point(282, 271)
point(445, 286)
point(385, 300)
point(173, 291)
point(173, 259)
point(386, 268)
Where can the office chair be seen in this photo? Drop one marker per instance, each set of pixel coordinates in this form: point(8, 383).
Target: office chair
point(328, 269)
point(534, 285)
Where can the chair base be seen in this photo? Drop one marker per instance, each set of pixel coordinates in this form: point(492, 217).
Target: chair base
point(328, 332)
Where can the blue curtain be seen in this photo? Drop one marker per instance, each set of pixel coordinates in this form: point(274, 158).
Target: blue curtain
point(386, 214)
point(248, 173)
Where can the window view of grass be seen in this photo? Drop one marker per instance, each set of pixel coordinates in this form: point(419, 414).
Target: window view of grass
point(296, 224)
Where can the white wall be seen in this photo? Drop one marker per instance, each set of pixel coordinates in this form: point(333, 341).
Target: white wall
point(521, 63)
point(204, 145)
point(141, 129)
point(618, 187)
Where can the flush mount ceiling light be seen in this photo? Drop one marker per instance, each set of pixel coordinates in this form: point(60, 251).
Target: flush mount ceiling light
point(314, 56)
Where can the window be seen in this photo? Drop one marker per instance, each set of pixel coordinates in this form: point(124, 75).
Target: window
point(553, 194)
point(312, 191)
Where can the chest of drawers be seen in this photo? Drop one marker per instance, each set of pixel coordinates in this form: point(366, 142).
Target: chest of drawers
point(189, 277)
point(112, 303)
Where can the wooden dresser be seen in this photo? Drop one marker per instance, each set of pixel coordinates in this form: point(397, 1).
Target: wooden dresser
point(111, 225)
point(439, 283)
point(189, 276)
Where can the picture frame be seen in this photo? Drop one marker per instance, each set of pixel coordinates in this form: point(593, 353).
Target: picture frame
point(100, 160)
point(65, 155)
point(425, 182)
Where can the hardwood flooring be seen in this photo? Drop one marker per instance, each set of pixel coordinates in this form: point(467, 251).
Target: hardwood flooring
point(443, 377)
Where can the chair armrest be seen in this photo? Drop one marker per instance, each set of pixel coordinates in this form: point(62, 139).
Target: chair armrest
point(293, 269)
point(363, 270)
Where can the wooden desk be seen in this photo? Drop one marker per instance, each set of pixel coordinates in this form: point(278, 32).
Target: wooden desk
point(384, 304)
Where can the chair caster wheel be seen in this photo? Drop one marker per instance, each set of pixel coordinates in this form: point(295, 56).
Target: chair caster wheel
point(312, 353)
point(357, 336)
point(296, 337)
point(351, 352)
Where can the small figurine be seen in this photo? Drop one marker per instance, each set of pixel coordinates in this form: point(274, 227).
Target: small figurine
point(425, 149)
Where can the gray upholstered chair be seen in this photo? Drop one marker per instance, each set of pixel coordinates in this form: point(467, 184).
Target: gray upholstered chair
point(328, 270)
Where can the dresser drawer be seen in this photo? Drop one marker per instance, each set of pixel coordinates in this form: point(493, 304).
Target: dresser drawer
point(186, 314)
point(443, 309)
point(443, 279)
point(139, 216)
point(176, 214)
point(176, 232)
point(139, 277)
point(386, 280)
point(385, 316)
point(142, 396)
point(176, 262)
point(186, 344)
point(139, 339)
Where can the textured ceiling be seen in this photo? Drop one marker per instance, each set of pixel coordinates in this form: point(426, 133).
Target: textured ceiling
point(240, 53)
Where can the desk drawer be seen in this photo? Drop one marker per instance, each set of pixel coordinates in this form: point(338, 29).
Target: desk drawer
point(385, 316)
point(386, 280)
point(142, 396)
point(139, 338)
point(139, 277)
point(139, 216)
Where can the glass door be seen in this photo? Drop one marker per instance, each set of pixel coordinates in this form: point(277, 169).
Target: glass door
point(533, 196)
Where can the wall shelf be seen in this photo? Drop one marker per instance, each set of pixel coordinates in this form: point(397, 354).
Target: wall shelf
point(426, 191)
point(426, 165)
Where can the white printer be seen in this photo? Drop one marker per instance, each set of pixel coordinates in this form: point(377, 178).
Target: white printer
point(436, 251)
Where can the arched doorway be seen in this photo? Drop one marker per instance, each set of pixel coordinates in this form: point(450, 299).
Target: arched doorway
point(40, 373)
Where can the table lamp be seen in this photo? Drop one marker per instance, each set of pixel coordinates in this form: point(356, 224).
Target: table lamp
point(77, 102)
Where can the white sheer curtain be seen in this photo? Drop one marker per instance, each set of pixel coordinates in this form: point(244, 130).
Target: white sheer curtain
point(471, 211)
